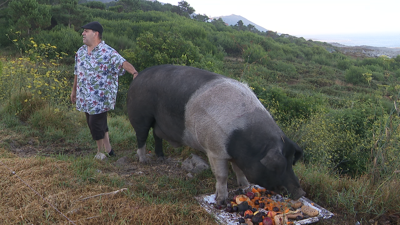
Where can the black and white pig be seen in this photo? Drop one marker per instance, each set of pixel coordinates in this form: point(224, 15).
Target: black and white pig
point(219, 116)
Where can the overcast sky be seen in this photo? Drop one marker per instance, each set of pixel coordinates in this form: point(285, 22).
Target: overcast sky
point(308, 17)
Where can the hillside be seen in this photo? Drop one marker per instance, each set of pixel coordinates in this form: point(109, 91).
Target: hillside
point(367, 51)
point(233, 19)
point(341, 110)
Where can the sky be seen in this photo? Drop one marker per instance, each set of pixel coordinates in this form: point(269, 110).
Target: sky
point(308, 17)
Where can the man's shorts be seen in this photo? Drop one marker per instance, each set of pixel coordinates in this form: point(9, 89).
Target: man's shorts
point(97, 124)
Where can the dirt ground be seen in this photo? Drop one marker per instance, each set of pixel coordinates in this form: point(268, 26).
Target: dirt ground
point(126, 165)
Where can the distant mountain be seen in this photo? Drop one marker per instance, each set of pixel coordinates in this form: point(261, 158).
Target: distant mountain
point(233, 19)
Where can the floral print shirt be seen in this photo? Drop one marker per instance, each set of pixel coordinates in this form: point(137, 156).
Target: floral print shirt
point(97, 81)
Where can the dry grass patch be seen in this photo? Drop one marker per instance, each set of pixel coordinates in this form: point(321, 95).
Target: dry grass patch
point(60, 186)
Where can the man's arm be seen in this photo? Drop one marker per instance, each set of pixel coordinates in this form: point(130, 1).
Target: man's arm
point(128, 67)
point(73, 92)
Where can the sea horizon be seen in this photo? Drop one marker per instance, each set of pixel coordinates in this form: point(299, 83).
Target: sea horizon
point(388, 40)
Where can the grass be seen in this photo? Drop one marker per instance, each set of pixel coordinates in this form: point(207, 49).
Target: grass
point(64, 180)
point(51, 148)
point(356, 198)
point(153, 195)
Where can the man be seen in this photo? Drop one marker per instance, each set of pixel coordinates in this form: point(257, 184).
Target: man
point(97, 67)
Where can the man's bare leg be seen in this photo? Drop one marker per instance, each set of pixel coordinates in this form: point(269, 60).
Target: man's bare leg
point(104, 144)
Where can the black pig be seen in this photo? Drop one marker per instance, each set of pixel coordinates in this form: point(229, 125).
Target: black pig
point(219, 116)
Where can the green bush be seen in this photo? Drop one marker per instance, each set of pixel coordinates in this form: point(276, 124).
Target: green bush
point(66, 39)
point(378, 76)
point(118, 42)
point(374, 68)
point(24, 105)
point(344, 64)
point(355, 76)
point(255, 54)
point(209, 62)
point(397, 72)
point(164, 48)
point(281, 66)
point(321, 59)
point(382, 62)
point(337, 139)
point(95, 5)
point(287, 108)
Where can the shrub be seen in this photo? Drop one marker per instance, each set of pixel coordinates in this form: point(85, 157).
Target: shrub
point(397, 72)
point(283, 67)
point(322, 60)
point(255, 54)
point(355, 76)
point(378, 76)
point(164, 48)
point(330, 138)
point(327, 71)
point(119, 42)
point(24, 105)
point(66, 39)
point(95, 5)
point(287, 108)
point(344, 64)
point(381, 61)
point(55, 124)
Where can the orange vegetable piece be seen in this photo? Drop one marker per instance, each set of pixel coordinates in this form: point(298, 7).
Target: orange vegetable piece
point(286, 210)
point(271, 214)
point(248, 212)
point(254, 190)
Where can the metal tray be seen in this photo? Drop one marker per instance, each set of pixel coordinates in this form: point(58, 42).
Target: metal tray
point(208, 203)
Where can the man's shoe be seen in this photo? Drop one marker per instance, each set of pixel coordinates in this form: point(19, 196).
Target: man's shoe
point(111, 153)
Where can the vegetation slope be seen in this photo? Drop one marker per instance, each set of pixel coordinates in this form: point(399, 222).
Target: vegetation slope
point(341, 110)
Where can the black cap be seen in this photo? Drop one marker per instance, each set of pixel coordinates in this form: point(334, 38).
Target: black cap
point(96, 26)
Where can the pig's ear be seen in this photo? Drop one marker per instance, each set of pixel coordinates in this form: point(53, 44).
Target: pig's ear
point(298, 153)
point(274, 161)
point(289, 147)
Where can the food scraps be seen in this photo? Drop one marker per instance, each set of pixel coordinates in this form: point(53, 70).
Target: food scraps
point(258, 206)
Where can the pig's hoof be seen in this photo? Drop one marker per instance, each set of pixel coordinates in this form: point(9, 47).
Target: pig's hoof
point(143, 159)
point(160, 159)
point(217, 206)
point(221, 202)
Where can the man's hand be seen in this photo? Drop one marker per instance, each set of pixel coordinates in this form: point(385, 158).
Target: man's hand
point(128, 67)
point(73, 97)
point(135, 74)
point(73, 91)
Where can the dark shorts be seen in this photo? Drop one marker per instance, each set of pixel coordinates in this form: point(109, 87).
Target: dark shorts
point(97, 124)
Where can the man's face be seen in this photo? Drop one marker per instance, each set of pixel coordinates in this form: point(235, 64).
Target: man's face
point(88, 36)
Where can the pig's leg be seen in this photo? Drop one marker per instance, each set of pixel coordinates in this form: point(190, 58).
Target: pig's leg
point(142, 133)
point(240, 177)
point(220, 170)
point(158, 145)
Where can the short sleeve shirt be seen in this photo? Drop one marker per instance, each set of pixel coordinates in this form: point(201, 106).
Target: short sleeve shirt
point(97, 78)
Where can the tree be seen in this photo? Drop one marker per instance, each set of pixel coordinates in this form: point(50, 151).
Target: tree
point(129, 5)
point(95, 5)
point(183, 9)
point(239, 25)
point(27, 15)
point(201, 18)
point(4, 4)
point(250, 27)
point(68, 13)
